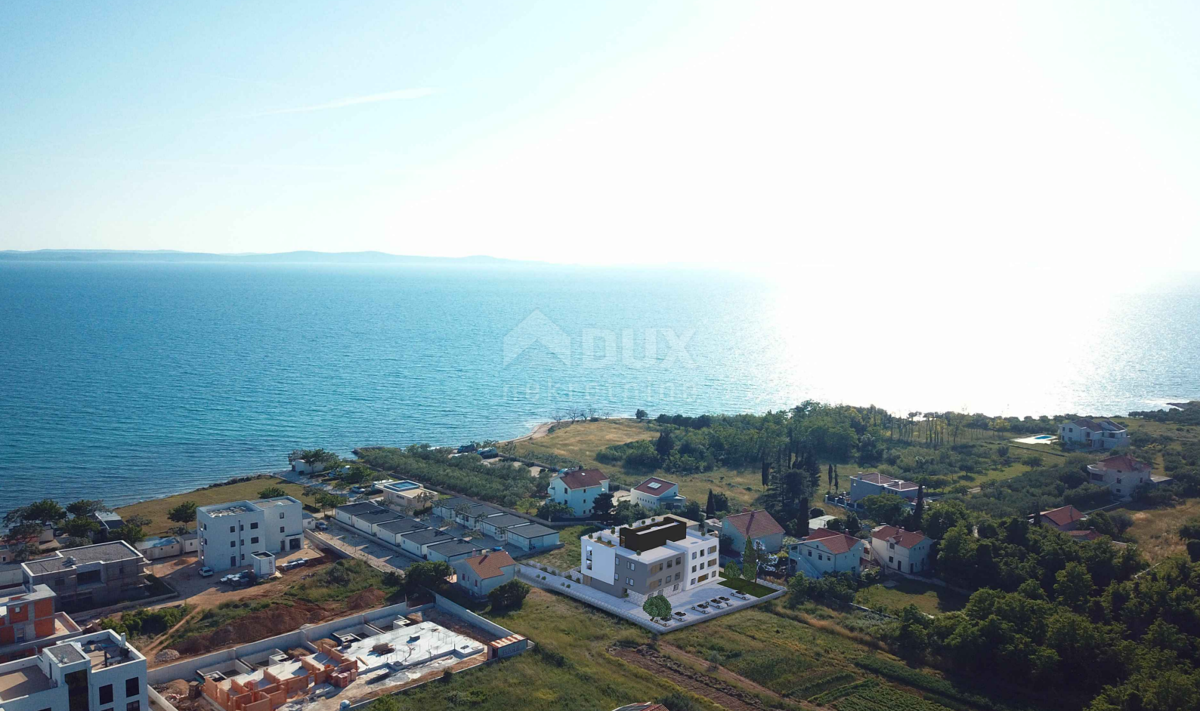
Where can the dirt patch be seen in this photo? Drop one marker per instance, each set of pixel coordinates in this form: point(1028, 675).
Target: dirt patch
point(714, 689)
point(260, 624)
point(371, 597)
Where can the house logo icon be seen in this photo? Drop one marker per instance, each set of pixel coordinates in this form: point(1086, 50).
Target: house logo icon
point(537, 328)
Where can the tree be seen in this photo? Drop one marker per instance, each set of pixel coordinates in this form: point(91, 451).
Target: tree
point(678, 701)
point(271, 492)
point(326, 500)
point(138, 521)
point(312, 456)
point(427, 574)
point(836, 486)
point(658, 607)
point(731, 571)
point(919, 511)
point(45, 512)
point(710, 508)
point(551, 510)
point(884, 508)
point(853, 525)
point(85, 507)
point(508, 596)
point(641, 414)
point(830, 476)
point(1073, 586)
point(386, 702)
point(750, 561)
point(81, 527)
point(185, 512)
point(603, 505)
point(665, 444)
point(129, 533)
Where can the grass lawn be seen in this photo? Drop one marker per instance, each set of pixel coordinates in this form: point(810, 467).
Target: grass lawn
point(929, 599)
point(582, 440)
point(1156, 531)
point(568, 556)
point(156, 509)
point(569, 669)
point(746, 586)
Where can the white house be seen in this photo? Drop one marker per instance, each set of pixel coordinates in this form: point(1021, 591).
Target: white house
point(578, 489)
point(1121, 473)
point(758, 525)
point(873, 483)
point(229, 533)
point(655, 493)
point(160, 547)
point(825, 551)
point(897, 549)
point(1093, 434)
point(394, 531)
point(418, 542)
point(532, 536)
point(95, 671)
point(481, 574)
point(452, 550)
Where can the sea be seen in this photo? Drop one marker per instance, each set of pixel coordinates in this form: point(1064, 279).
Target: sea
point(128, 381)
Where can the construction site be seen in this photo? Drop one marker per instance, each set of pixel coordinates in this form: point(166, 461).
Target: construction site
point(343, 662)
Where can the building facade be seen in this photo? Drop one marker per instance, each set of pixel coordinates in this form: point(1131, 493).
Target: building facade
point(825, 551)
point(1121, 473)
point(481, 574)
point(654, 493)
point(29, 622)
point(873, 484)
point(95, 672)
point(897, 549)
point(652, 556)
point(1093, 434)
point(231, 533)
point(577, 490)
point(90, 576)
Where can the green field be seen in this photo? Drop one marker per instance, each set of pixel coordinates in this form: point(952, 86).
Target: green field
point(930, 599)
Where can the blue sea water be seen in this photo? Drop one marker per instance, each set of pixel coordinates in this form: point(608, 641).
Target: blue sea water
point(127, 381)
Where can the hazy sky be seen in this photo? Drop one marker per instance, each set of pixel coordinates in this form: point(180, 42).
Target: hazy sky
point(786, 135)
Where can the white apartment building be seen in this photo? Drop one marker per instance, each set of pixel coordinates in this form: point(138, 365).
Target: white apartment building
point(1093, 434)
point(651, 556)
point(873, 483)
point(1122, 474)
point(578, 489)
point(231, 533)
point(95, 672)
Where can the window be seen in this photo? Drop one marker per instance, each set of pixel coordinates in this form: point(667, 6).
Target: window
point(677, 576)
point(629, 581)
point(133, 687)
point(669, 564)
point(106, 695)
point(232, 529)
point(679, 560)
point(631, 566)
point(693, 555)
point(254, 540)
point(712, 549)
point(253, 525)
point(693, 568)
point(281, 529)
point(281, 515)
point(693, 581)
point(889, 559)
point(133, 706)
point(233, 544)
point(810, 554)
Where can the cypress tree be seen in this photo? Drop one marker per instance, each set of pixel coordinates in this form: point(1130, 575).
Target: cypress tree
point(710, 509)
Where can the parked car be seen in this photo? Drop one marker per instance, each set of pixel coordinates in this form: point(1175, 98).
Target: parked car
point(206, 572)
point(322, 526)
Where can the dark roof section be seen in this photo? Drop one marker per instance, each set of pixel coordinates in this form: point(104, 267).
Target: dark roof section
point(402, 526)
point(897, 535)
point(663, 486)
point(109, 552)
point(362, 507)
point(506, 520)
point(531, 530)
point(1063, 516)
point(454, 547)
point(426, 536)
point(379, 516)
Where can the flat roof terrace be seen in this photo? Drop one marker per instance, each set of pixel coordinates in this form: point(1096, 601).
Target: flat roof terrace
point(23, 679)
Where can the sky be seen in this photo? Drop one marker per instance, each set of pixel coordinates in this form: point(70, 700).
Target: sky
point(781, 137)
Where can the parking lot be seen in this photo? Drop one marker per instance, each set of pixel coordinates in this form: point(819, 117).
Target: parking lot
point(183, 572)
point(363, 547)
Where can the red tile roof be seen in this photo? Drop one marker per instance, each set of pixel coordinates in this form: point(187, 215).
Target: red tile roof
point(583, 478)
point(754, 524)
point(835, 541)
point(490, 565)
point(1121, 463)
point(663, 486)
point(1088, 535)
point(1063, 516)
point(897, 535)
point(875, 478)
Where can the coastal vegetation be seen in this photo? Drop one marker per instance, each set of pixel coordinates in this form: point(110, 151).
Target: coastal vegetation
point(465, 474)
point(158, 511)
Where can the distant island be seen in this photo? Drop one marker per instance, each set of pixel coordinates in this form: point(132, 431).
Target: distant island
point(298, 257)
